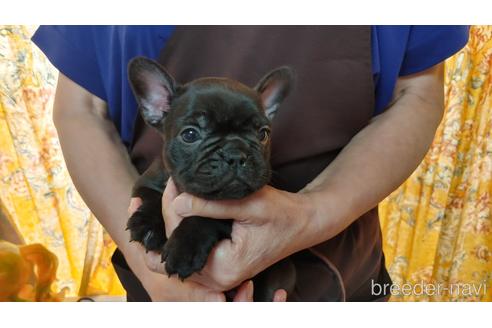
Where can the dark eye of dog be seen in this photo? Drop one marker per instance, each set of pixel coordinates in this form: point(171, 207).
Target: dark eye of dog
point(264, 134)
point(190, 135)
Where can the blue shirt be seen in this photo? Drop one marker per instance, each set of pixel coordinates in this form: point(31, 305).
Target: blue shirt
point(96, 57)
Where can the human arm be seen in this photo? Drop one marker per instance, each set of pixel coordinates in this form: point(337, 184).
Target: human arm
point(103, 174)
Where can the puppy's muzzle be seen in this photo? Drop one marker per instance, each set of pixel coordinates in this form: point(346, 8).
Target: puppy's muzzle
point(234, 158)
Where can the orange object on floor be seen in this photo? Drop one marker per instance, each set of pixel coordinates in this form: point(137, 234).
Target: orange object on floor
point(27, 273)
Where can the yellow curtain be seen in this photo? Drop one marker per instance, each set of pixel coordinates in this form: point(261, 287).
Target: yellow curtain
point(37, 196)
point(437, 225)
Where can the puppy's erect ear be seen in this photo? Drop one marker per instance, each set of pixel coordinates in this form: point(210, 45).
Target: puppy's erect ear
point(274, 87)
point(153, 88)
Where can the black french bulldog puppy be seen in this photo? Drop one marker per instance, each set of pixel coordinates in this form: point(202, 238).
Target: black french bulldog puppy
point(216, 134)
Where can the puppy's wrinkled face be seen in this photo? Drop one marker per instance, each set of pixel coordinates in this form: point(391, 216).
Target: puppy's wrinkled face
point(216, 131)
point(217, 141)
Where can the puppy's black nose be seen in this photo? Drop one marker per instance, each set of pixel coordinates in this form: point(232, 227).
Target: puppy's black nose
point(234, 157)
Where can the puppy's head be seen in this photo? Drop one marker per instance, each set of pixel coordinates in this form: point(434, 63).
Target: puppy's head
point(216, 131)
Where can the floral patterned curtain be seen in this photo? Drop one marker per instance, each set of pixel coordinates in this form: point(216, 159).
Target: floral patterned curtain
point(37, 197)
point(437, 226)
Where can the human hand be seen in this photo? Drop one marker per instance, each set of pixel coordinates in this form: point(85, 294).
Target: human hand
point(163, 288)
point(268, 225)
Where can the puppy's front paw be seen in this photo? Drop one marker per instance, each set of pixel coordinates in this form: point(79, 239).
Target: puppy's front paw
point(185, 255)
point(190, 244)
point(147, 229)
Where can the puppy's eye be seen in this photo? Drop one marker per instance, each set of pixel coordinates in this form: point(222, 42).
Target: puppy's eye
point(190, 135)
point(264, 134)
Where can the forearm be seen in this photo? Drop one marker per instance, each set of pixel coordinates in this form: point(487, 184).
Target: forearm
point(95, 156)
point(379, 158)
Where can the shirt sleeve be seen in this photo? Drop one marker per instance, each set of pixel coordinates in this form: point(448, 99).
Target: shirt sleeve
point(71, 50)
point(96, 58)
point(430, 45)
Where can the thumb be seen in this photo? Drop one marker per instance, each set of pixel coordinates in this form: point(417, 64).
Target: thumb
point(171, 219)
point(188, 205)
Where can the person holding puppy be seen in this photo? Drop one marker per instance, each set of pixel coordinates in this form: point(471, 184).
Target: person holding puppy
point(359, 121)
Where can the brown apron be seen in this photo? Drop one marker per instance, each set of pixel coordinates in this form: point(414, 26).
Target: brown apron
point(333, 99)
